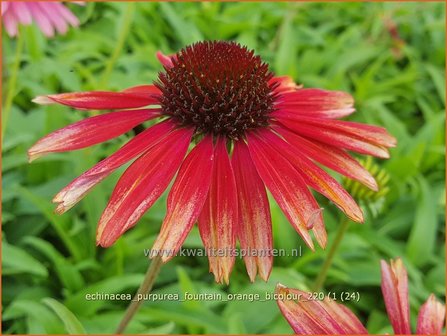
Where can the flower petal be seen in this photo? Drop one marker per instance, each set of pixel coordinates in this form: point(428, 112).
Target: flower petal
point(431, 317)
point(102, 100)
point(41, 18)
point(255, 223)
point(218, 219)
point(332, 157)
point(5, 6)
point(66, 14)
point(374, 134)
point(80, 186)
point(166, 61)
point(90, 131)
point(395, 293)
point(141, 185)
point(21, 11)
point(146, 90)
point(315, 103)
point(284, 84)
point(53, 16)
point(11, 23)
point(315, 177)
point(336, 138)
point(287, 187)
point(308, 316)
point(186, 199)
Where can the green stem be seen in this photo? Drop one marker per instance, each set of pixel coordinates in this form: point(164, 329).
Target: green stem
point(127, 21)
point(145, 288)
point(12, 84)
point(321, 278)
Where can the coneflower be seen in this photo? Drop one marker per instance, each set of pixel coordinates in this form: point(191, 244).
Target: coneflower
point(250, 130)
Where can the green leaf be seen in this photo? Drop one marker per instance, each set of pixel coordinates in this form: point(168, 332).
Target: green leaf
point(285, 62)
point(186, 285)
point(438, 77)
point(16, 261)
point(71, 323)
point(186, 30)
point(81, 305)
point(44, 321)
point(68, 274)
point(59, 224)
point(422, 237)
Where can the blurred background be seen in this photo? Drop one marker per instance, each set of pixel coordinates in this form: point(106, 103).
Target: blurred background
point(390, 56)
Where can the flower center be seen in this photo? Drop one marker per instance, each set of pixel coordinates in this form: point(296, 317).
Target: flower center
point(220, 88)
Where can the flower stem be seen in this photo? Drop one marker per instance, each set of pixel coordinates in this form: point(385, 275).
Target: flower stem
point(145, 288)
point(124, 31)
point(12, 84)
point(321, 278)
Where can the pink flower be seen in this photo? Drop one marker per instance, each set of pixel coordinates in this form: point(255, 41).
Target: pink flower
point(49, 16)
point(252, 131)
point(328, 317)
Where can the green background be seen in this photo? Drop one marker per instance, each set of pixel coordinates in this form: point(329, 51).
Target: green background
point(397, 81)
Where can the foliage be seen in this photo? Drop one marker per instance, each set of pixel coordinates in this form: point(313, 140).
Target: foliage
point(390, 56)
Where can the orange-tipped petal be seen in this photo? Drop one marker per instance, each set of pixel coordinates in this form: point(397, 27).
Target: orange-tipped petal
point(287, 187)
point(336, 138)
point(186, 199)
point(395, 293)
point(284, 84)
point(332, 157)
point(80, 186)
point(90, 131)
point(255, 223)
point(315, 103)
point(431, 317)
point(135, 97)
point(308, 316)
point(141, 185)
point(316, 177)
point(218, 219)
point(374, 134)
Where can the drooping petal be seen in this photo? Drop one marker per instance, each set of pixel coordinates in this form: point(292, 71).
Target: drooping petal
point(80, 186)
point(315, 103)
point(141, 185)
point(255, 224)
point(21, 11)
point(284, 84)
point(287, 187)
point(56, 20)
point(41, 18)
point(5, 6)
point(90, 131)
point(218, 219)
point(186, 199)
point(11, 23)
point(308, 316)
point(332, 137)
point(431, 317)
point(374, 134)
point(395, 293)
point(103, 100)
point(315, 177)
point(66, 14)
point(332, 157)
